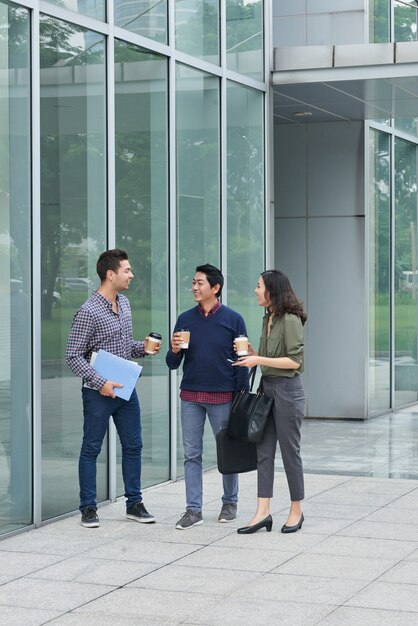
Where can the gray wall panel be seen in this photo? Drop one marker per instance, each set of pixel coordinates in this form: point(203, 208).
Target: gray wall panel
point(319, 22)
point(289, 31)
point(336, 28)
point(290, 158)
point(336, 309)
point(323, 254)
point(336, 169)
point(290, 252)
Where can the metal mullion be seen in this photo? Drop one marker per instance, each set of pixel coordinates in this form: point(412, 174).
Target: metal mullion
point(268, 141)
point(111, 211)
point(392, 319)
point(172, 225)
point(36, 269)
point(141, 41)
point(223, 136)
point(366, 198)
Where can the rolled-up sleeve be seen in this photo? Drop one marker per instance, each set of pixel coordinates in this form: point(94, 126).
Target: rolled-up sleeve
point(294, 338)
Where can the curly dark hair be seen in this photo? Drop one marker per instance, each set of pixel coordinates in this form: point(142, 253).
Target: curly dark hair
point(282, 297)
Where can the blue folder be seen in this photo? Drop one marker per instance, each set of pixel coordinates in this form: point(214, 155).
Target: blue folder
point(118, 370)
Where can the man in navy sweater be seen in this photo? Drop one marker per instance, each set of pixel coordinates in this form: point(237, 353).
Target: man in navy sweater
point(208, 385)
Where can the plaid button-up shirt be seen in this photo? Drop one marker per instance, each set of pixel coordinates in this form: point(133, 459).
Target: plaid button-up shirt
point(96, 326)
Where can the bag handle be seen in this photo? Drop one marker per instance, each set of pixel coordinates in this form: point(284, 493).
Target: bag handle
point(252, 376)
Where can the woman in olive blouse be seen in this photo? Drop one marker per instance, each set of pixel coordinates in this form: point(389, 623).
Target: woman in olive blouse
point(280, 357)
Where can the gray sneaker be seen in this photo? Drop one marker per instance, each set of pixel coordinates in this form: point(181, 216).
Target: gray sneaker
point(228, 512)
point(189, 519)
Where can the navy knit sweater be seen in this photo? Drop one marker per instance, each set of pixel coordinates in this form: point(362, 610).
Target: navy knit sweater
point(205, 366)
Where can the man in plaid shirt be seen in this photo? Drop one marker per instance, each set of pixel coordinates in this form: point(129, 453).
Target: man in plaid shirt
point(104, 321)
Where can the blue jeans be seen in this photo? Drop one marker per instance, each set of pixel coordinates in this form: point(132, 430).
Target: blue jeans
point(193, 417)
point(126, 415)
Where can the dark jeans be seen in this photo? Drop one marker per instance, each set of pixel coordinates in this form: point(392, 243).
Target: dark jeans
point(127, 418)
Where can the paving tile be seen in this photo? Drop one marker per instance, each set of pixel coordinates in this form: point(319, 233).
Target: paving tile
point(83, 619)
point(304, 589)
point(235, 559)
point(292, 543)
point(333, 566)
point(408, 501)
point(54, 595)
point(150, 603)
point(95, 571)
point(382, 530)
point(196, 579)
point(361, 546)
point(200, 535)
point(235, 612)
point(403, 572)
point(17, 616)
point(392, 515)
point(337, 511)
point(391, 596)
point(43, 541)
point(16, 564)
point(348, 616)
point(143, 551)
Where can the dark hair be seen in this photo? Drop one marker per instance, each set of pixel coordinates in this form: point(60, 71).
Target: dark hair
point(282, 297)
point(110, 260)
point(213, 274)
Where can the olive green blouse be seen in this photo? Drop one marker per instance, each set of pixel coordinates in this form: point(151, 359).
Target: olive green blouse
point(285, 339)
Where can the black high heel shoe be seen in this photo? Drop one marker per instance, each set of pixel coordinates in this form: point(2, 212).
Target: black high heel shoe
point(266, 523)
point(293, 529)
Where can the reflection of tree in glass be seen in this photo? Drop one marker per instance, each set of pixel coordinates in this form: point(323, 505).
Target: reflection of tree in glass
point(405, 22)
point(405, 208)
point(244, 25)
point(141, 152)
point(198, 35)
point(66, 157)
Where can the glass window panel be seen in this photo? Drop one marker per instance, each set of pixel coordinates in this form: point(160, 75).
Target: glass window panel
point(379, 277)
point(245, 37)
point(407, 124)
point(73, 211)
point(143, 17)
point(197, 28)
point(142, 230)
point(198, 190)
point(405, 16)
point(15, 277)
point(245, 202)
point(379, 25)
point(92, 8)
point(406, 273)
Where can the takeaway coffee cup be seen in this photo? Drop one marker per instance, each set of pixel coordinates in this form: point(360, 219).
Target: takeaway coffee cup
point(185, 338)
point(154, 340)
point(241, 344)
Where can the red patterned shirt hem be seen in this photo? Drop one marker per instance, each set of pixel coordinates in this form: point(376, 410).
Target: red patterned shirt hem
point(207, 397)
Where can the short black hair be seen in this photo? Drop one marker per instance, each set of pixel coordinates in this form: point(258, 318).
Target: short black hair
point(213, 274)
point(110, 260)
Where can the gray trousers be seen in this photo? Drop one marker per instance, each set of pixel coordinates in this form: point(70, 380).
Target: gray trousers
point(283, 425)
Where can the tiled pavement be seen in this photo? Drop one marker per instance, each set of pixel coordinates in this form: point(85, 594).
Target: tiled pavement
point(355, 562)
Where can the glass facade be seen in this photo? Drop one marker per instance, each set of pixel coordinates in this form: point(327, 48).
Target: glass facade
point(15, 278)
point(73, 233)
point(380, 272)
point(393, 250)
point(393, 20)
point(245, 37)
point(131, 154)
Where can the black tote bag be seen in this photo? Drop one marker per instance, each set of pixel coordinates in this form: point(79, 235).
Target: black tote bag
point(235, 456)
point(249, 414)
